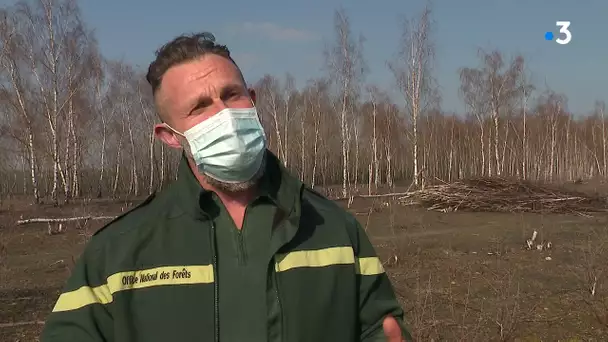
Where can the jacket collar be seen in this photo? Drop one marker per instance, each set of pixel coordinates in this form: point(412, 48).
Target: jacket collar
point(277, 184)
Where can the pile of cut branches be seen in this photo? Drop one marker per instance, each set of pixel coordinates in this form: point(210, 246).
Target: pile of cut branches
point(504, 195)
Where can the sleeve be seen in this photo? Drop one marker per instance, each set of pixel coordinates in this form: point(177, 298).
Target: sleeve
point(81, 313)
point(376, 295)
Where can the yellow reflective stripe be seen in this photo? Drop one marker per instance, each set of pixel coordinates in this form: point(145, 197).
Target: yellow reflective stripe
point(315, 258)
point(369, 266)
point(173, 275)
point(327, 257)
point(129, 280)
point(82, 297)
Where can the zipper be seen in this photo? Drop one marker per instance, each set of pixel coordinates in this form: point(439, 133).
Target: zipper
point(216, 304)
point(283, 327)
point(281, 315)
point(242, 252)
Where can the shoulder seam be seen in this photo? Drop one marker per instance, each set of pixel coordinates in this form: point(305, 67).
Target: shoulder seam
point(122, 215)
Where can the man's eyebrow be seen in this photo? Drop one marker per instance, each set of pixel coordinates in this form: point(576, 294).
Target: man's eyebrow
point(197, 100)
point(230, 88)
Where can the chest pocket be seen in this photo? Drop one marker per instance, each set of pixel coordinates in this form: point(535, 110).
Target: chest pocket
point(320, 297)
point(164, 303)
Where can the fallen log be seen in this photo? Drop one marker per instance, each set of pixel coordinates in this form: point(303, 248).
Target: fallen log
point(18, 324)
point(63, 219)
point(392, 194)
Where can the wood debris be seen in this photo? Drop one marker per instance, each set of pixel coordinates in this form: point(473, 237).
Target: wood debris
point(503, 195)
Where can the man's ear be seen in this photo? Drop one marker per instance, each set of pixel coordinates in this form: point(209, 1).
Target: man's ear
point(252, 95)
point(166, 135)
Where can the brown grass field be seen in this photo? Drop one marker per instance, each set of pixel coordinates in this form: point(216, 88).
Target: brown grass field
point(461, 276)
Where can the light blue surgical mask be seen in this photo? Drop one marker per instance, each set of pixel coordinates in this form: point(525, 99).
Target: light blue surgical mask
point(229, 146)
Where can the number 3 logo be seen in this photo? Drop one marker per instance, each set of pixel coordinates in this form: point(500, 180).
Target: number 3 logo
point(563, 25)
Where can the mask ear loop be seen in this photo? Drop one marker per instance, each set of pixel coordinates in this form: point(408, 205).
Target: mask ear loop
point(181, 137)
point(173, 130)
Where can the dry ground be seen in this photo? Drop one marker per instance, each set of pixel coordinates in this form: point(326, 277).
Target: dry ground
point(461, 276)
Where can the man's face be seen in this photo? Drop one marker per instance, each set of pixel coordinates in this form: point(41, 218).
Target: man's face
point(195, 91)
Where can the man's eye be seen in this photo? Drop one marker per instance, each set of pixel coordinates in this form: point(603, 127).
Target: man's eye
point(199, 108)
point(201, 105)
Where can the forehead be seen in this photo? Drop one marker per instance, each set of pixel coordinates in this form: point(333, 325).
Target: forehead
point(205, 76)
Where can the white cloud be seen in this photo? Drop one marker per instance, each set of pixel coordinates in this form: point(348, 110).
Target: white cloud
point(273, 31)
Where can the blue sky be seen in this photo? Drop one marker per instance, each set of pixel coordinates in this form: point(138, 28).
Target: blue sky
point(271, 36)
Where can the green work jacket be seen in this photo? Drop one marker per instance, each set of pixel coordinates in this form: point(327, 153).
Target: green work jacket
point(151, 275)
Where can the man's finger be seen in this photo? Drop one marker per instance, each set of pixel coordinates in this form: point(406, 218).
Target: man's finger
point(392, 330)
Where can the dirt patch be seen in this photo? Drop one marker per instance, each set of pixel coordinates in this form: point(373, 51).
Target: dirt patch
point(35, 265)
point(460, 276)
point(468, 276)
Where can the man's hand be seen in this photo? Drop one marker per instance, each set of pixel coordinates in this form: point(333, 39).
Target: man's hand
point(392, 330)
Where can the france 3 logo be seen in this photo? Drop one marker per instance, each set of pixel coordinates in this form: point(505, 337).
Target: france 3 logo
point(564, 37)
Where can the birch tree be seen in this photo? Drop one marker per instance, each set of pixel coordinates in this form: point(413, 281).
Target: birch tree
point(317, 102)
point(15, 91)
point(55, 47)
point(345, 63)
point(526, 90)
point(492, 88)
point(272, 108)
point(412, 72)
point(600, 110)
point(374, 100)
point(99, 105)
point(287, 114)
point(474, 96)
point(145, 100)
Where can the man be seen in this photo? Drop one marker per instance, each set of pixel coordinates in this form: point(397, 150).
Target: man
point(236, 249)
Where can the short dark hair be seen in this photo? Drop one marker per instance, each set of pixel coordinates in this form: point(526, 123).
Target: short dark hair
point(182, 49)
